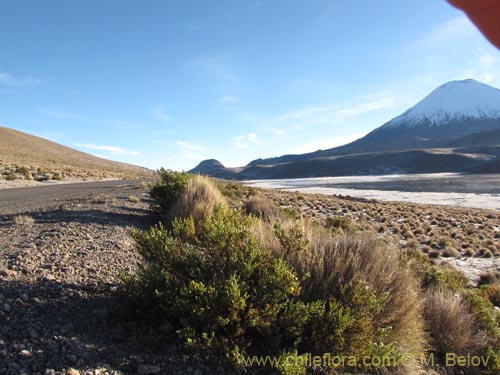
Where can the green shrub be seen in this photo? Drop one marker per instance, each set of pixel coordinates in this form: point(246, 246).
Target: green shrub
point(22, 170)
point(215, 286)
point(168, 190)
point(485, 313)
point(218, 289)
point(289, 212)
point(236, 191)
point(11, 177)
point(339, 222)
point(436, 277)
point(492, 292)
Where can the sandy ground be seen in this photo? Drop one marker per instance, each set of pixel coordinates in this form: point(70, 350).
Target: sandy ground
point(375, 187)
point(473, 267)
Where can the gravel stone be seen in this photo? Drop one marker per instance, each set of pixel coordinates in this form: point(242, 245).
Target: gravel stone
point(25, 353)
point(8, 273)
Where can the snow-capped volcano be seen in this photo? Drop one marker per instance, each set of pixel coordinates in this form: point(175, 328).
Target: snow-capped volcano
point(447, 117)
point(455, 101)
point(456, 128)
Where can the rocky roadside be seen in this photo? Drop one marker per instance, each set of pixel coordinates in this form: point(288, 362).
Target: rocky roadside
point(60, 266)
point(58, 270)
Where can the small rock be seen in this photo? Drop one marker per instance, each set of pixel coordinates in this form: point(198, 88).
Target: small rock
point(197, 372)
point(72, 371)
point(50, 371)
point(33, 334)
point(8, 273)
point(2, 297)
point(6, 308)
point(148, 369)
point(25, 353)
point(72, 358)
point(50, 277)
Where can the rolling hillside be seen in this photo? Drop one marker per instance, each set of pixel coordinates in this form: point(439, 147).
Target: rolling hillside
point(23, 155)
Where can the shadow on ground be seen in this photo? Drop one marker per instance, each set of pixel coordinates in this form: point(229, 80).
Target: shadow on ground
point(125, 217)
point(57, 326)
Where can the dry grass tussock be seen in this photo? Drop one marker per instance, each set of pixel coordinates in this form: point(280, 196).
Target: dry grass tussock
point(23, 220)
point(454, 328)
point(339, 263)
point(263, 208)
point(134, 199)
point(198, 200)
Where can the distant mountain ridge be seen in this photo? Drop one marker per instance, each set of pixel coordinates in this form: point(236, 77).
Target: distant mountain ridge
point(456, 114)
point(207, 166)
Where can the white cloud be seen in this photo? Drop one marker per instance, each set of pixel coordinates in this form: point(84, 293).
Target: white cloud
point(62, 115)
point(487, 60)
point(9, 80)
point(160, 113)
point(243, 141)
point(114, 150)
point(228, 99)
point(252, 137)
point(189, 146)
point(486, 78)
point(331, 113)
point(279, 133)
point(191, 153)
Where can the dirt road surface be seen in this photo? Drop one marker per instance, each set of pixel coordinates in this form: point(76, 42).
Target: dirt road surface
point(25, 199)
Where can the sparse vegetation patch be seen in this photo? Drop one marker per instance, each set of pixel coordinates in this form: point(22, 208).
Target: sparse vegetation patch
point(242, 278)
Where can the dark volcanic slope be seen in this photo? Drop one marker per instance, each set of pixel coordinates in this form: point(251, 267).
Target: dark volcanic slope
point(404, 162)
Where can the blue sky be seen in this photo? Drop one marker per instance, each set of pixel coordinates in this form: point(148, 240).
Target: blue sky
point(170, 83)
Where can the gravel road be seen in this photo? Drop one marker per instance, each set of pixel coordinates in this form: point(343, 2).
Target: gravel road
point(16, 200)
point(59, 267)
